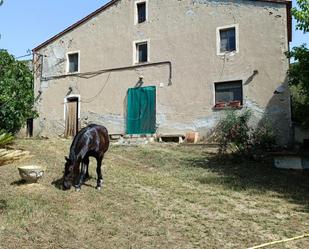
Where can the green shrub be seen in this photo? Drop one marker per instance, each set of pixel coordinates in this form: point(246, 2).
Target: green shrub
point(5, 138)
point(263, 138)
point(234, 134)
point(233, 131)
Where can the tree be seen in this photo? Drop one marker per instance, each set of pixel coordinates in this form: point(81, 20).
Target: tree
point(302, 15)
point(299, 70)
point(299, 84)
point(16, 93)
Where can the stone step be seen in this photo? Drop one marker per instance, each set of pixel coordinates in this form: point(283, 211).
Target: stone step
point(134, 140)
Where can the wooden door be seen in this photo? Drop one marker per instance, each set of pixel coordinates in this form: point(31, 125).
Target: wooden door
point(71, 119)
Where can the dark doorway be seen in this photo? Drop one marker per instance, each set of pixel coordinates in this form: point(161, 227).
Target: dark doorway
point(30, 127)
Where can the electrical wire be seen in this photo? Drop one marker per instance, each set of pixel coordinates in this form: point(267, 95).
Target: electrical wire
point(23, 56)
point(100, 91)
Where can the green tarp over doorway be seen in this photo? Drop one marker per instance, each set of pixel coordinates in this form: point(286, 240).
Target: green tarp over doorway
point(141, 112)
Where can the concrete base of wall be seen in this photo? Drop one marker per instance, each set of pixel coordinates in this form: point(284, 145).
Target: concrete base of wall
point(291, 162)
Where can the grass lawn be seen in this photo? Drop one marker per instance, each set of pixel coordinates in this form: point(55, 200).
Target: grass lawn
point(155, 196)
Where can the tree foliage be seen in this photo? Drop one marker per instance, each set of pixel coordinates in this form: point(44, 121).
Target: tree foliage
point(299, 85)
point(16, 93)
point(301, 14)
point(300, 106)
point(299, 70)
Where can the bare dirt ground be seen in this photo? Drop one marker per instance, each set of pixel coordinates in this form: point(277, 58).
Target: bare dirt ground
point(155, 196)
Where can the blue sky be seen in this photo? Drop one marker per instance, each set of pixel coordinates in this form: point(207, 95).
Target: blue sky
point(26, 24)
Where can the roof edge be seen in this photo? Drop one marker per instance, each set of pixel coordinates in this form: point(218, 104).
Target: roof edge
point(112, 2)
point(289, 19)
point(277, 1)
point(75, 25)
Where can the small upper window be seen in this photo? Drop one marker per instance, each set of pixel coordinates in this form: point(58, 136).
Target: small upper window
point(229, 94)
point(141, 12)
point(227, 40)
point(73, 60)
point(141, 52)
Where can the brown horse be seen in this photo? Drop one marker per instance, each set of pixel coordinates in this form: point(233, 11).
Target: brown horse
point(92, 140)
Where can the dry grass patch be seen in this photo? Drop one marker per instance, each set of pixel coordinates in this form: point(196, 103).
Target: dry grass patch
point(156, 196)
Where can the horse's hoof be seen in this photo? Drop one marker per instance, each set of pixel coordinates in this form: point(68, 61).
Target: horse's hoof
point(98, 188)
point(77, 189)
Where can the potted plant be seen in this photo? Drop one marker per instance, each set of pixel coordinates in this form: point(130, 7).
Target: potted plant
point(235, 104)
point(220, 104)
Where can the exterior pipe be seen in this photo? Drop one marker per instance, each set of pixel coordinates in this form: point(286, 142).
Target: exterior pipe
point(89, 75)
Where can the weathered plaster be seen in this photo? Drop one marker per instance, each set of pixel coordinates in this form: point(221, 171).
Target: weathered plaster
point(183, 32)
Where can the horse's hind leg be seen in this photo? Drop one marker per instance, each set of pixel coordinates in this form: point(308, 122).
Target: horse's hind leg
point(99, 173)
point(87, 176)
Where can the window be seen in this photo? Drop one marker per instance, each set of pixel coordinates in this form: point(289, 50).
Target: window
point(227, 39)
point(141, 12)
point(73, 63)
point(228, 93)
point(141, 52)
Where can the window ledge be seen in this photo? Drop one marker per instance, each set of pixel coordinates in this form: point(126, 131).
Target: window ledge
point(229, 53)
point(141, 63)
point(227, 107)
point(72, 73)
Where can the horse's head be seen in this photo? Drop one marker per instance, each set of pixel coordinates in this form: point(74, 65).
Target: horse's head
point(69, 174)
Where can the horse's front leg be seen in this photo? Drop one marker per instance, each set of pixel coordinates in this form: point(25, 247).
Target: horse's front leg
point(99, 173)
point(81, 176)
point(86, 162)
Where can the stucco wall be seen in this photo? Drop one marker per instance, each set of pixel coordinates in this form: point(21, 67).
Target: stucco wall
point(184, 33)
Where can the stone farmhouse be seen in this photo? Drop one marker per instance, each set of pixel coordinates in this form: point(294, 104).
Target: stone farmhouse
point(155, 67)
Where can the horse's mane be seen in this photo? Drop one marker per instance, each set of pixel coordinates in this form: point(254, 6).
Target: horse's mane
point(72, 155)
